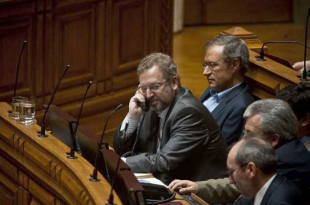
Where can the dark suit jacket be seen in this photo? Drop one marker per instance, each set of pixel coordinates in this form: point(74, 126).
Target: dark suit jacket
point(294, 164)
point(280, 191)
point(228, 114)
point(192, 145)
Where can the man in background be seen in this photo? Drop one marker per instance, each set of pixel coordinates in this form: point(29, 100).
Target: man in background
point(177, 137)
point(225, 64)
point(298, 97)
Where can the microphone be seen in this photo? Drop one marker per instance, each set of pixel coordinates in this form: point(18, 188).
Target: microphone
point(304, 72)
point(111, 197)
point(94, 177)
point(42, 132)
point(261, 54)
point(74, 126)
point(17, 69)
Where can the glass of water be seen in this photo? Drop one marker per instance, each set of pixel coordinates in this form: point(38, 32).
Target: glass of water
point(27, 112)
point(15, 106)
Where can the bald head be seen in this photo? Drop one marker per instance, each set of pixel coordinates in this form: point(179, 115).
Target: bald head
point(251, 162)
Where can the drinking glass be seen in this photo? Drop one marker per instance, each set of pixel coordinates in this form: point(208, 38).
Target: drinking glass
point(27, 112)
point(15, 106)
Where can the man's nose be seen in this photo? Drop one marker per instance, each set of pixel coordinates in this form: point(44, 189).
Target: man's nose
point(206, 71)
point(149, 93)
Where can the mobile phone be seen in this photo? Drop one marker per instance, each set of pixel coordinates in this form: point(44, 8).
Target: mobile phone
point(145, 105)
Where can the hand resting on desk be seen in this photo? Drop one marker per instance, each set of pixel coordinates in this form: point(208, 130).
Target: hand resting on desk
point(183, 186)
point(299, 66)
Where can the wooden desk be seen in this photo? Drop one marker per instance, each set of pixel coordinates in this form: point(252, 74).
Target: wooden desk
point(36, 170)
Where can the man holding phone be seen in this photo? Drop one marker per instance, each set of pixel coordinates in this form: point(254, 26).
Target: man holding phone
point(177, 137)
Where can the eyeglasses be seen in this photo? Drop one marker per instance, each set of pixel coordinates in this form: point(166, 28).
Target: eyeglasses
point(210, 65)
point(231, 172)
point(153, 87)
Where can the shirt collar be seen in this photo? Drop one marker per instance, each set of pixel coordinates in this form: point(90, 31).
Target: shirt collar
point(261, 193)
point(222, 94)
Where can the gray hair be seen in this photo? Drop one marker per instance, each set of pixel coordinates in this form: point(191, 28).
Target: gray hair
point(162, 61)
point(258, 151)
point(277, 117)
point(234, 47)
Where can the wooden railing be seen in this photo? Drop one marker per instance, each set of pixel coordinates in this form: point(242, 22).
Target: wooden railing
point(36, 170)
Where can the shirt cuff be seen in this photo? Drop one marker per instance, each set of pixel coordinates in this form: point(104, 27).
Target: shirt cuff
point(129, 125)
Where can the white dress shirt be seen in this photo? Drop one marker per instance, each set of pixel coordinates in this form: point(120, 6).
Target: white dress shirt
point(261, 193)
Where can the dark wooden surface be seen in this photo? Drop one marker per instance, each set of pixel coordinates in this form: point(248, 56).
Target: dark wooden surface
point(35, 170)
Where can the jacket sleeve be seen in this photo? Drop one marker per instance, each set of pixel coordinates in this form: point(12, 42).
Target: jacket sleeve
point(215, 191)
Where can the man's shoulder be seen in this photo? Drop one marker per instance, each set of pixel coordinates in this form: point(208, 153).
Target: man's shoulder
point(282, 182)
point(282, 190)
point(186, 98)
point(241, 95)
point(293, 148)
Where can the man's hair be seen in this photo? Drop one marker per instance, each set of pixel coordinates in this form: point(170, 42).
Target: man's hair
point(277, 117)
point(298, 97)
point(234, 47)
point(162, 61)
point(258, 151)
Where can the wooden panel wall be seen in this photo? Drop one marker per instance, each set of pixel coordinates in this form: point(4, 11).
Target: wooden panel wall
point(102, 41)
point(204, 12)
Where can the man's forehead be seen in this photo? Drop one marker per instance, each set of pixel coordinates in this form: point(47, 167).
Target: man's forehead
point(214, 52)
point(233, 152)
point(154, 72)
point(253, 123)
point(215, 47)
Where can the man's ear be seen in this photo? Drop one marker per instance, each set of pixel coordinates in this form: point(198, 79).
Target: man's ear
point(305, 121)
point(175, 82)
point(235, 64)
point(275, 140)
point(251, 170)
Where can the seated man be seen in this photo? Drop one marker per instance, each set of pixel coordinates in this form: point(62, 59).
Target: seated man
point(298, 97)
point(252, 165)
point(177, 137)
point(226, 62)
point(274, 119)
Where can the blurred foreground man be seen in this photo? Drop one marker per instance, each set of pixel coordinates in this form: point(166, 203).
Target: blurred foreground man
point(177, 137)
point(252, 166)
point(275, 122)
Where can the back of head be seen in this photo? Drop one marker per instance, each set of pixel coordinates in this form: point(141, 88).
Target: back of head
point(162, 61)
point(298, 97)
point(277, 117)
point(258, 151)
point(234, 47)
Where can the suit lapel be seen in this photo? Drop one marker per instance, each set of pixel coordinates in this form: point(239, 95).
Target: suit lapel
point(272, 187)
point(228, 98)
point(205, 95)
point(182, 92)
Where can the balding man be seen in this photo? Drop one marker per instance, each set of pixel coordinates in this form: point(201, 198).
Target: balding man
point(252, 166)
